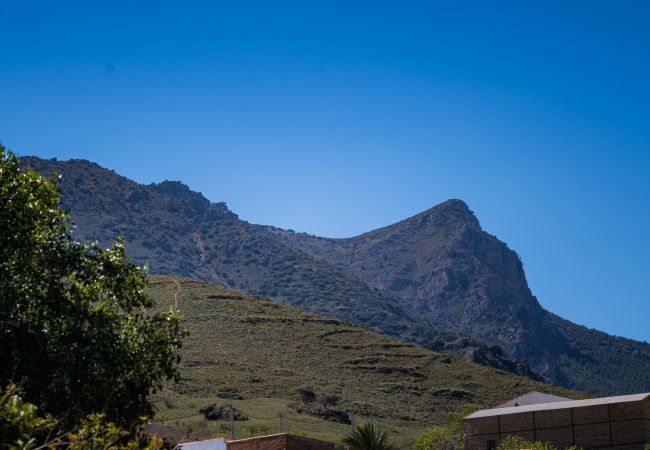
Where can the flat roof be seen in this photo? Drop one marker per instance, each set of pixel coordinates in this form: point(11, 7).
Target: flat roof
point(207, 444)
point(289, 435)
point(533, 398)
point(559, 405)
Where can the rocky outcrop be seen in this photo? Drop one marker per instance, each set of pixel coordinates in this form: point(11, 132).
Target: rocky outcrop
point(473, 350)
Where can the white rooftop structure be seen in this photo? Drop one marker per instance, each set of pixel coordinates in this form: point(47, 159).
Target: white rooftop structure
point(532, 398)
point(209, 444)
point(559, 405)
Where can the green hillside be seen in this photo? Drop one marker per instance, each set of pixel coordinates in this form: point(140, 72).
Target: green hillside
point(433, 279)
point(265, 358)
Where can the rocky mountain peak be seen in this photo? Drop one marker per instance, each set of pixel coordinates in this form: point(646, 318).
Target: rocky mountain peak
point(177, 190)
point(452, 210)
point(183, 198)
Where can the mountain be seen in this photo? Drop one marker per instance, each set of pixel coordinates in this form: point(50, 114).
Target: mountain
point(432, 279)
point(442, 265)
point(265, 357)
point(177, 231)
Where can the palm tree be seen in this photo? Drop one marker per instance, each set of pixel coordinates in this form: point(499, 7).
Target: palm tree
point(368, 437)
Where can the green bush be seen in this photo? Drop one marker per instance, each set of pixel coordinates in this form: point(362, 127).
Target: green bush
point(439, 438)
point(449, 437)
point(518, 443)
point(21, 426)
point(368, 437)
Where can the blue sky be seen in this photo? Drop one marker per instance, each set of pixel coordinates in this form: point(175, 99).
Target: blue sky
point(335, 118)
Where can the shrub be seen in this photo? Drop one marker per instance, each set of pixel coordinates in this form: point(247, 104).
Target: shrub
point(518, 443)
point(22, 427)
point(439, 438)
point(449, 437)
point(368, 437)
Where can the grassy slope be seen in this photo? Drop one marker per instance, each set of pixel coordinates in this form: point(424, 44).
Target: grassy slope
point(267, 352)
point(180, 232)
point(438, 262)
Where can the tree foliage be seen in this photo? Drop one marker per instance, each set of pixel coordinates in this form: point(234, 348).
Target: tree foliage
point(449, 437)
point(22, 427)
point(518, 443)
point(76, 328)
point(368, 437)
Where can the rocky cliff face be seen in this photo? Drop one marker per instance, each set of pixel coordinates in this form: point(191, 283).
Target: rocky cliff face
point(430, 279)
point(441, 264)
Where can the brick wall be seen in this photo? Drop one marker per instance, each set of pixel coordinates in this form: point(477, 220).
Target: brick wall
point(272, 442)
point(304, 443)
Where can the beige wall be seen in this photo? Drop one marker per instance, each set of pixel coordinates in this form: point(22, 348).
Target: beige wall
point(620, 426)
point(647, 422)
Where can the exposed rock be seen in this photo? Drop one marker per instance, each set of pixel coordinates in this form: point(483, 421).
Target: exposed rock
point(214, 412)
point(332, 415)
point(473, 350)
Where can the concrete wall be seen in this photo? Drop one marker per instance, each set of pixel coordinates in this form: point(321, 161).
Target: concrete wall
point(279, 442)
point(621, 426)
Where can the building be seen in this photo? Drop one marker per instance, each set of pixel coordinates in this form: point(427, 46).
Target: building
point(280, 441)
point(621, 422)
point(532, 398)
point(207, 444)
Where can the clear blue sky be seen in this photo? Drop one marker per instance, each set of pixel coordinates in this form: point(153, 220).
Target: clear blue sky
point(335, 118)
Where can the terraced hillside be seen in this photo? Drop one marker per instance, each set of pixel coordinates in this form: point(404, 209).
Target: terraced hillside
point(429, 279)
point(177, 231)
point(265, 358)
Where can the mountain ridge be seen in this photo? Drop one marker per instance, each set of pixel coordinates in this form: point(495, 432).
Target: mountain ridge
point(492, 273)
point(435, 276)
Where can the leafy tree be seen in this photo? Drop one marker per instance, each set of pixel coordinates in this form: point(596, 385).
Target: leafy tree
point(438, 437)
point(449, 437)
point(368, 437)
point(22, 427)
point(76, 328)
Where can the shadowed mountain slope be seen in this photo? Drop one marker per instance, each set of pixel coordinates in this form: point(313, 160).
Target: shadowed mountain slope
point(178, 231)
point(428, 279)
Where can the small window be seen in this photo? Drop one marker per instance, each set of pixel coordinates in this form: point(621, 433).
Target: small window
point(491, 445)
